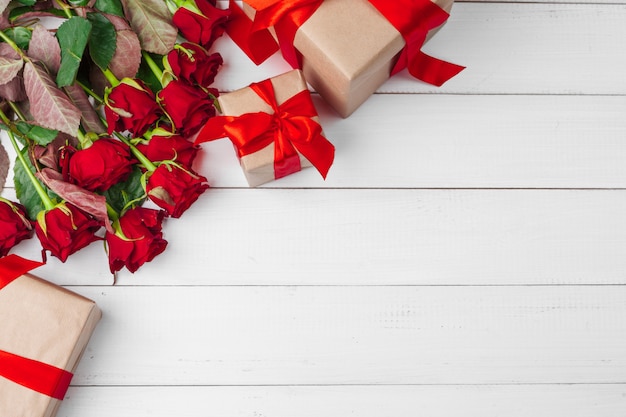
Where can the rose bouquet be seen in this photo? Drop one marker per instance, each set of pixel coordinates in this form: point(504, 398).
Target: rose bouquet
point(102, 111)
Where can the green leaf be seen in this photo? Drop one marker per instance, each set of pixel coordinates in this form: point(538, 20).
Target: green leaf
point(147, 75)
point(25, 190)
point(110, 6)
point(73, 35)
point(27, 2)
point(38, 134)
point(119, 195)
point(19, 35)
point(79, 3)
point(102, 42)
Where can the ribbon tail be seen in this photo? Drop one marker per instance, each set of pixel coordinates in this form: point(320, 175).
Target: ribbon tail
point(258, 45)
point(213, 129)
point(430, 69)
point(13, 266)
point(319, 152)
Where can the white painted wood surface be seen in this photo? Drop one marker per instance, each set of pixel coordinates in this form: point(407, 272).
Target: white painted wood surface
point(465, 257)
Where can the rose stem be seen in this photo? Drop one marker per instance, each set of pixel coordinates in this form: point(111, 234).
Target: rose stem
point(13, 45)
point(137, 153)
point(47, 202)
point(111, 78)
point(153, 66)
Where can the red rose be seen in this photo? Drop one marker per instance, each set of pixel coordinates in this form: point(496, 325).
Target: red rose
point(103, 164)
point(131, 106)
point(140, 239)
point(187, 106)
point(175, 189)
point(65, 229)
point(192, 63)
point(202, 24)
point(169, 148)
point(14, 225)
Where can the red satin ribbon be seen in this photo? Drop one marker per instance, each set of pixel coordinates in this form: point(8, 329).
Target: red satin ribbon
point(29, 373)
point(412, 18)
point(290, 128)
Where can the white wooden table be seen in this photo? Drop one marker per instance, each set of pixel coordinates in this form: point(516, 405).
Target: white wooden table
point(465, 257)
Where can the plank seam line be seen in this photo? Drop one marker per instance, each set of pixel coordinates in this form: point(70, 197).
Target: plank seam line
point(505, 384)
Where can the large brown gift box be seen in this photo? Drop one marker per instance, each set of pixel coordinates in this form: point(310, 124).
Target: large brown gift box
point(348, 50)
point(258, 167)
point(42, 322)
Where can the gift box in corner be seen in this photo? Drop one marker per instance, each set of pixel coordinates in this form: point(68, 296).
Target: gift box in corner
point(274, 127)
point(44, 330)
point(347, 48)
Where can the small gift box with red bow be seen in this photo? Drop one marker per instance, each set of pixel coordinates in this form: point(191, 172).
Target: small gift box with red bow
point(274, 128)
point(346, 48)
point(44, 330)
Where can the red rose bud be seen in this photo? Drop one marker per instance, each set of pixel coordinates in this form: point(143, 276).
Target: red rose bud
point(175, 189)
point(188, 107)
point(139, 239)
point(65, 229)
point(202, 24)
point(14, 225)
point(131, 106)
point(102, 165)
point(169, 148)
point(192, 63)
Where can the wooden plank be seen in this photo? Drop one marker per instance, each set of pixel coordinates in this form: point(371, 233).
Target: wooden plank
point(450, 141)
point(377, 237)
point(175, 335)
point(366, 401)
point(508, 48)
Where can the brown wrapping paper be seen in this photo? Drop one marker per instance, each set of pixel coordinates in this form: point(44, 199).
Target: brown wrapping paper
point(349, 50)
point(259, 166)
point(41, 321)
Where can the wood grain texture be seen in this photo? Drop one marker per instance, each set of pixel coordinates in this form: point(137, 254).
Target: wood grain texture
point(378, 237)
point(356, 335)
point(465, 256)
point(399, 401)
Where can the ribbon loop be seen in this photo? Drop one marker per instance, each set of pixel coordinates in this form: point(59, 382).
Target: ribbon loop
point(290, 128)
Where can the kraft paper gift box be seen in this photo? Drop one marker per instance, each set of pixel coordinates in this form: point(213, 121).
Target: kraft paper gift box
point(349, 50)
point(44, 330)
point(244, 106)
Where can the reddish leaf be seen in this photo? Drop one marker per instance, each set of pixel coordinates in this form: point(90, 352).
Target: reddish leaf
point(45, 47)
point(10, 63)
point(3, 5)
point(89, 117)
point(13, 90)
point(49, 106)
point(127, 57)
point(4, 166)
point(152, 21)
point(87, 201)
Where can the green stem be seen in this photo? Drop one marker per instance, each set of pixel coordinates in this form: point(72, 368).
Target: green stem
point(65, 9)
point(17, 111)
point(113, 215)
point(47, 202)
point(141, 157)
point(111, 78)
point(92, 94)
point(13, 45)
point(153, 66)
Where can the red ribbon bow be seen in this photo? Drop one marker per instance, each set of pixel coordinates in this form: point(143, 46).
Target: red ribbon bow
point(290, 128)
point(29, 373)
point(412, 18)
